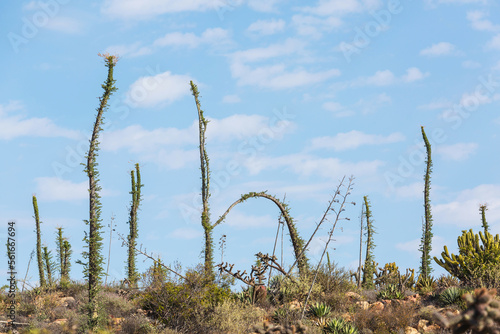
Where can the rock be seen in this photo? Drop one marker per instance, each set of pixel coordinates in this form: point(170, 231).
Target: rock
point(364, 305)
point(60, 321)
point(422, 324)
point(432, 329)
point(410, 330)
point(377, 306)
point(353, 296)
point(295, 304)
point(413, 298)
point(67, 302)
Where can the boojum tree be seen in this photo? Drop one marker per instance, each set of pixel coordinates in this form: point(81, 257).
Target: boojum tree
point(208, 227)
point(369, 268)
point(94, 267)
point(133, 275)
point(426, 241)
point(39, 255)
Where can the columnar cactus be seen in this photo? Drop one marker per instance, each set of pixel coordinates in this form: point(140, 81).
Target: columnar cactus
point(481, 316)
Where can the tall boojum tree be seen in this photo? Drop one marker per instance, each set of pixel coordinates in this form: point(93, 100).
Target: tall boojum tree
point(133, 275)
point(39, 255)
point(426, 241)
point(369, 267)
point(93, 269)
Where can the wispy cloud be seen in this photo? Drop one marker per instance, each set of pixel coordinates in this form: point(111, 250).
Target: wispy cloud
point(131, 9)
point(479, 22)
point(157, 90)
point(457, 152)
point(266, 27)
point(354, 139)
point(275, 76)
point(211, 36)
point(440, 49)
point(14, 124)
point(55, 189)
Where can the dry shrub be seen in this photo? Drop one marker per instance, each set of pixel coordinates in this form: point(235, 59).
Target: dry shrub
point(136, 324)
point(392, 318)
point(116, 306)
point(235, 317)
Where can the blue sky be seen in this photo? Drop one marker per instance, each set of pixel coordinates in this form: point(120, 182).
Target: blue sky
point(299, 94)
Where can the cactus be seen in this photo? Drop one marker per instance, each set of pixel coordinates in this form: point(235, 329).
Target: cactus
point(476, 252)
point(340, 326)
point(39, 255)
point(450, 296)
point(481, 316)
point(133, 275)
point(268, 328)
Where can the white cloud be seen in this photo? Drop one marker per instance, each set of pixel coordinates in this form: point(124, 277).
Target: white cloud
point(313, 26)
point(440, 49)
point(478, 21)
point(414, 74)
point(337, 109)
point(131, 9)
point(411, 191)
point(163, 88)
point(470, 64)
point(464, 210)
point(211, 36)
point(341, 7)
point(14, 124)
point(56, 189)
point(354, 139)
point(307, 165)
point(457, 152)
point(387, 78)
point(266, 6)
point(494, 43)
point(275, 76)
point(234, 127)
point(267, 27)
point(231, 99)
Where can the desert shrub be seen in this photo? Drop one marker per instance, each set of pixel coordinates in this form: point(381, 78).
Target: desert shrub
point(393, 318)
point(232, 316)
point(331, 277)
point(185, 305)
point(283, 290)
point(320, 313)
point(116, 306)
point(446, 281)
point(136, 324)
point(426, 284)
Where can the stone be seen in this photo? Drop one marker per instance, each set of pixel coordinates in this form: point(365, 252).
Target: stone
point(411, 330)
point(67, 301)
point(353, 295)
point(364, 305)
point(422, 324)
point(377, 306)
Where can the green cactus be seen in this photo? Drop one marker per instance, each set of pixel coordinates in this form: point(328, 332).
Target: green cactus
point(481, 316)
point(477, 252)
point(450, 296)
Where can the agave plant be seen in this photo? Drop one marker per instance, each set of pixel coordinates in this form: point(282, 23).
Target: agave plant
point(450, 296)
point(320, 311)
point(340, 326)
point(391, 291)
point(426, 284)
